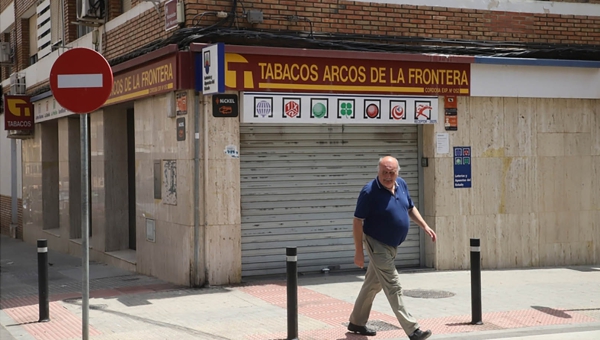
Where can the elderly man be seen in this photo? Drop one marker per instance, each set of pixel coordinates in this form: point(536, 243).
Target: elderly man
point(381, 221)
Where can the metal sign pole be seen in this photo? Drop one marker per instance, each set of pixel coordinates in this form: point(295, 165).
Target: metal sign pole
point(85, 223)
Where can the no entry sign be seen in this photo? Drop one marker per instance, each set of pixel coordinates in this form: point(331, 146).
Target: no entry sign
point(81, 80)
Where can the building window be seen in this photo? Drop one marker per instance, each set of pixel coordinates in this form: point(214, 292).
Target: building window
point(33, 42)
point(44, 28)
point(56, 23)
point(126, 5)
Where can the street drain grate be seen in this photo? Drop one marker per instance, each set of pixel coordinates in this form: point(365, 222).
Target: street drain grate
point(427, 294)
point(378, 325)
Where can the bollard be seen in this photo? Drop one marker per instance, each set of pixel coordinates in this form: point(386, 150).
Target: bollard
point(292, 292)
point(476, 282)
point(44, 304)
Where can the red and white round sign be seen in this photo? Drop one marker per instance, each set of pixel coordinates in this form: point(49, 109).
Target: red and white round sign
point(81, 80)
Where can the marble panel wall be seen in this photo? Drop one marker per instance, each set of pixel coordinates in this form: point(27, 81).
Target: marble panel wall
point(534, 200)
point(170, 254)
point(33, 215)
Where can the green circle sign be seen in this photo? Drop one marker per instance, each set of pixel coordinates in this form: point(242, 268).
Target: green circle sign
point(319, 110)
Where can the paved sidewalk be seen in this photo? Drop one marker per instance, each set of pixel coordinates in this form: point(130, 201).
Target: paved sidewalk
point(533, 304)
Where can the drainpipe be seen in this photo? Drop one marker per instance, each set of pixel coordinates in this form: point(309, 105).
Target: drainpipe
point(421, 188)
point(14, 222)
point(200, 265)
point(196, 273)
point(204, 193)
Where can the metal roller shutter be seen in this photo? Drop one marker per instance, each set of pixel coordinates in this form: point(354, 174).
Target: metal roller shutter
point(299, 188)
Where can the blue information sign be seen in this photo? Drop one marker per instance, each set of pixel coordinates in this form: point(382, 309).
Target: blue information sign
point(210, 69)
point(462, 166)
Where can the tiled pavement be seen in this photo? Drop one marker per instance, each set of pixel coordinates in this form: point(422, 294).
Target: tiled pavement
point(125, 305)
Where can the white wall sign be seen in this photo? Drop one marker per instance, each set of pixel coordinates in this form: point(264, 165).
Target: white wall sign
point(268, 107)
point(442, 142)
point(48, 109)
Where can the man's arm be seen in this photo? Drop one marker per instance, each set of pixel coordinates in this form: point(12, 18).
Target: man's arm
point(357, 232)
point(418, 219)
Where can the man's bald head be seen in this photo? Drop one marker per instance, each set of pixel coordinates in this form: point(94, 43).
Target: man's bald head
point(388, 171)
point(389, 161)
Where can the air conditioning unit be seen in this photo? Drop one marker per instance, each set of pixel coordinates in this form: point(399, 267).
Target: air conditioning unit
point(91, 9)
point(17, 83)
point(5, 53)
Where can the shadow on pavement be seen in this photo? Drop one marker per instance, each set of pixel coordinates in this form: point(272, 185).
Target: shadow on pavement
point(191, 331)
point(551, 311)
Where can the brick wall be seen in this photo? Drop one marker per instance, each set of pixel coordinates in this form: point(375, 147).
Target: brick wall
point(22, 33)
point(70, 13)
point(5, 216)
point(136, 33)
point(115, 8)
point(338, 16)
point(22, 50)
point(4, 4)
point(333, 16)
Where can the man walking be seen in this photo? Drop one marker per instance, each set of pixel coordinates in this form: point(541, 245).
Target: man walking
point(381, 221)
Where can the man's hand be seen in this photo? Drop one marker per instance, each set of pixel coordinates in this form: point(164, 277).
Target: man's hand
point(431, 233)
point(359, 259)
point(357, 234)
point(415, 215)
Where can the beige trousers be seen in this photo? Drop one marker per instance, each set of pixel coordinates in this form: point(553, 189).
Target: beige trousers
point(381, 274)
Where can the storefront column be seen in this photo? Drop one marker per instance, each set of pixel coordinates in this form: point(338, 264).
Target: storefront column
point(222, 241)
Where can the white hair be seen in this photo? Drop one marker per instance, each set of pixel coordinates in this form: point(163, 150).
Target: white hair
point(397, 163)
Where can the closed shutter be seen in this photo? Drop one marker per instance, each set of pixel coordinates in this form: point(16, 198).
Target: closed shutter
point(299, 185)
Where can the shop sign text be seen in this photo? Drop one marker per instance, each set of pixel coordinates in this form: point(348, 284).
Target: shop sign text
point(291, 74)
point(155, 78)
point(18, 113)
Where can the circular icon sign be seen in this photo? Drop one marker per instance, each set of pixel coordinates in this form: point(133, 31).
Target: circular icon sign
point(372, 111)
point(397, 112)
point(263, 108)
point(81, 80)
point(319, 110)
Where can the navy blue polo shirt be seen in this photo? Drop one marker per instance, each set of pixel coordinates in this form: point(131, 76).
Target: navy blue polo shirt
point(385, 215)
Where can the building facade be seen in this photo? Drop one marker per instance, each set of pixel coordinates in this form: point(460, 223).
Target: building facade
point(493, 111)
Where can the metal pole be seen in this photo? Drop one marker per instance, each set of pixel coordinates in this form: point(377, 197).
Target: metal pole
point(476, 282)
point(206, 182)
point(292, 292)
point(85, 223)
point(196, 184)
point(44, 304)
point(13, 189)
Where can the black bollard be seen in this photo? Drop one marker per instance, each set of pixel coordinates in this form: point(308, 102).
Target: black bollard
point(292, 292)
point(44, 304)
point(476, 282)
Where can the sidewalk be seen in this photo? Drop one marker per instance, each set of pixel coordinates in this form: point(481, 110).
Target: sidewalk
point(533, 304)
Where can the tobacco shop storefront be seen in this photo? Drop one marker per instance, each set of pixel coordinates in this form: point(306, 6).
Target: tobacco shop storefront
point(135, 154)
point(312, 127)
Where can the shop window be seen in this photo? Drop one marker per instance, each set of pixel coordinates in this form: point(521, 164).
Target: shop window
point(50, 175)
